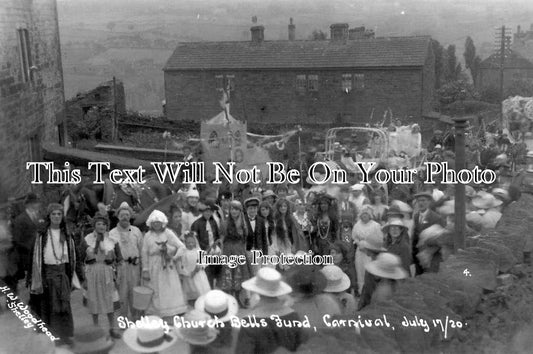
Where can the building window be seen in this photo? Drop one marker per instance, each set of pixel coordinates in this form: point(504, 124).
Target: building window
point(219, 82)
point(301, 83)
point(359, 81)
point(230, 82)
point(312, 82)
point(25, 54)
point(346, 82)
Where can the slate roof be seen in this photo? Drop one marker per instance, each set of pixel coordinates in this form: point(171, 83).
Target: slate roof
point(515, 60)
point(364, 53)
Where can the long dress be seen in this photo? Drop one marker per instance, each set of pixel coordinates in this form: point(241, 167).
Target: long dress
point(303, 225)
point(195, 285)
point(325, 234)
point(168, 298)
point(99, 275)
point(361, 231)
point(231, 278)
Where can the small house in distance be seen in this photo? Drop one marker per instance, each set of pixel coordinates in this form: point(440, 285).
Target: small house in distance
point(354, 77)
point(516, 67)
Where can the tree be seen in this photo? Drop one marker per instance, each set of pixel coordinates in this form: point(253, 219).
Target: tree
point(452, 68)
point(111, 26)
point(472, 61)
point(438, 52)
point(520, 87)
point(319, 35)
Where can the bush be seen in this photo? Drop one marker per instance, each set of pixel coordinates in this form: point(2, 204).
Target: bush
point(490, 94)
point(456, 91)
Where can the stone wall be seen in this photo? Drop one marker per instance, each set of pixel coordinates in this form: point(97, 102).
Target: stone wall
point(33, 110)
point(271, 96)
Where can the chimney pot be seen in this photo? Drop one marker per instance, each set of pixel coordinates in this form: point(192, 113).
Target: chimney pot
point(339, 31)
point(258, 34)
point(292, 30)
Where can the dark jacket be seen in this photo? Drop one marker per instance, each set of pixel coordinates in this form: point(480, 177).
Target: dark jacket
point(431, 218)
point(256, 239)
point(25, 232)
point(400, 247)
point(200, 227)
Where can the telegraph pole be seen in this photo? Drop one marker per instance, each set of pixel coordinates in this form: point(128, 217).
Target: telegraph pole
point(460, 200)
point(503, 41)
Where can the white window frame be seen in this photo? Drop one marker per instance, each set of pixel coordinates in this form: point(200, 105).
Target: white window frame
point(347, 84)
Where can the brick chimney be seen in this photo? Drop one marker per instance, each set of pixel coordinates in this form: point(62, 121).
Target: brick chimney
point(339, 31)
point(292, 31)
point(258, 34)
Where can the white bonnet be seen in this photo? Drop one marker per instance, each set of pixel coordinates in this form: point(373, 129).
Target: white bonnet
point(157, 215)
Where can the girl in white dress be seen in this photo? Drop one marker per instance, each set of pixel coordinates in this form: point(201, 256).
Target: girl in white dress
point(193, 276)
point(160, 250)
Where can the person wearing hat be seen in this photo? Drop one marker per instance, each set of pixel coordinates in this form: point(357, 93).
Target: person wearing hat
point(234, 232)
point(364, 229)
point(160, 250)
point(208, 234)
point(190, 211)
point(346, 207)
point(423, 218)
point(129, 239)
point(199, 339)
point(269, 196)
point(268, 284)
point(256, 239)
point(223, 307)
point(152, 337)
point(358, 197)
point(308, 284)
point(54, 267)
point(489, 208)
point(91, 340)
point(396, 241)
point(101, 254)
point(326, 225)
point(25, 230)
point(337, 284)
point(383, 273)
point(343, 257)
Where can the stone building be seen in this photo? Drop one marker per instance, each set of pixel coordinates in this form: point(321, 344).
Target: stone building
point(354, 77)
point(108, 99)
point(32, 98)
point(516, 67)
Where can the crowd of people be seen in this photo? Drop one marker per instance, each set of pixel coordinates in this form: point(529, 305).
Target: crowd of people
point(375, 239)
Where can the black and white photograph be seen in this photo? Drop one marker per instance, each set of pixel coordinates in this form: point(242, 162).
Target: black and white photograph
point(266, 176)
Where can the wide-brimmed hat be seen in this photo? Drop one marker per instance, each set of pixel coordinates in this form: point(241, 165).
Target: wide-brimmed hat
point(236, 204)
point(430, 233)
point(91, 339)
point(373, 242)
point(337, 280)
point(324, 197)
point(448, 208)
point(218, 303)
point(393, 222)
point(200, 335)
point(306, 279)
point(268, 283)
point(394, 213)
point(387, 265)
point(31, 198)
point(501, 193)
point(357, 187)
point(252, 201)
point(470, 192)
point(269, 193)
point(485, 200)
point(53, 207)
point(150, 337)
point(424, 194)
point(124, 206)
point(157, 216)
point(401, 206)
